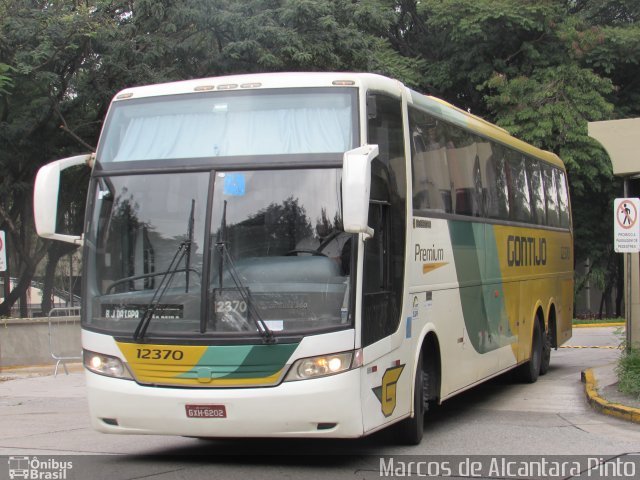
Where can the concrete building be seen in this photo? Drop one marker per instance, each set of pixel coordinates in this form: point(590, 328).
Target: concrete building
point(621, 140)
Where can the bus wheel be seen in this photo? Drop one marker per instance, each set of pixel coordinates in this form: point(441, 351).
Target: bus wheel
point(529, 371)
point(410, 430)
point(546, 353)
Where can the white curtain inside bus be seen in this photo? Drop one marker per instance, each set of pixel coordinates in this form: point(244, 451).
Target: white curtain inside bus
point(225, 133)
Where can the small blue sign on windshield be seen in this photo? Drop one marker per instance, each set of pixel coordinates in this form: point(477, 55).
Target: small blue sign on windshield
point(234, 184)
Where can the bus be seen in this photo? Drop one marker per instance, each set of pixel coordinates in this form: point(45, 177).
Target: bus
point(309, 255)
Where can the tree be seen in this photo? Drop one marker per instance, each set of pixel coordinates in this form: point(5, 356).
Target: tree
point(61, 63)
point(44, 46)
point(542, 70)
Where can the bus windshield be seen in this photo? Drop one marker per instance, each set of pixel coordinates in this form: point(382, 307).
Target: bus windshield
point(222, 124)
point(275, 250)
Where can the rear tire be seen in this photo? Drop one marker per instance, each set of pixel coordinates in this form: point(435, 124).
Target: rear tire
point(546, 352)
point(529, 372)
point(410, 430)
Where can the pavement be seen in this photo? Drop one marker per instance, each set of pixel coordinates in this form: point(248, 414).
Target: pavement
point(601, 391)
point(29, 371)
point(600, 386)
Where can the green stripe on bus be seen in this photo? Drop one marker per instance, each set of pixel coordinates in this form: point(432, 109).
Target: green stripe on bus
point(242, 361)
point(481, 293)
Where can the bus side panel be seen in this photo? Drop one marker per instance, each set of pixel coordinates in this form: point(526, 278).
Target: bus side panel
point(536, 267)
point(479, 286)
point(564, 315)
point(448, 255)
point(487, 316)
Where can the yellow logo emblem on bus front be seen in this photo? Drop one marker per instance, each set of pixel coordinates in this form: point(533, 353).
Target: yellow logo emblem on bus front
point(387, 392)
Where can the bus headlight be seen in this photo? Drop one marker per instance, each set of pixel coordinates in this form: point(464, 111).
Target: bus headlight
point(324, 365)
point(105, 365)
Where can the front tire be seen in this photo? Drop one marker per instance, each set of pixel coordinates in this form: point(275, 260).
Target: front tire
point(410, 430)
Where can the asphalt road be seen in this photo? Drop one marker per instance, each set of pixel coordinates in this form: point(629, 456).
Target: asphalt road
point(46, 417)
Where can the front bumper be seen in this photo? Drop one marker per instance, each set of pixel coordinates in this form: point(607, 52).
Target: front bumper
point(323, 407)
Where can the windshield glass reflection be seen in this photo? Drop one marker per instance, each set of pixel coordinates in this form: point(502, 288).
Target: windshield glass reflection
point(279, 260)
point(283, 234)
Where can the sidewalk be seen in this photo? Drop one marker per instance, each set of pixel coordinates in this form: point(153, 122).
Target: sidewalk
point(13, 373)
point(601, 390)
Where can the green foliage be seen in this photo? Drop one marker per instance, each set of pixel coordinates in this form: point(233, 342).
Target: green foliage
point(592, 321)
point(61, 63)
point(541, 69)
point(628, 370)
point(466, 42)
point(550, 108)
point(5, 79)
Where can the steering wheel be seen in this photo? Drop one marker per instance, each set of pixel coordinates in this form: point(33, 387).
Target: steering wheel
point(305, 250)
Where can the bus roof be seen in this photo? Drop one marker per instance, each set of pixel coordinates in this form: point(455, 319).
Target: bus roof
point(367, 81)
point(449, 113)
point(266, 80)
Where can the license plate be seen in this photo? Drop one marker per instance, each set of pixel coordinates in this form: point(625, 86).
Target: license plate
point(206, 411)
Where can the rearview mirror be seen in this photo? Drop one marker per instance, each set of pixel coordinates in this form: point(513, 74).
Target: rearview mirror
point(356, 187)
point(45, 197)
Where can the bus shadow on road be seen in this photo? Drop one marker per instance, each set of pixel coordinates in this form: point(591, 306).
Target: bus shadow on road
point(305, 451)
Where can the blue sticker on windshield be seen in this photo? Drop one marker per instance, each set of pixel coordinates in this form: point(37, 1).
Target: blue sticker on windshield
point(234, 184)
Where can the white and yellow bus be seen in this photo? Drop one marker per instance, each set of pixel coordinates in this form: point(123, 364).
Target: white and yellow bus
point(309, 255)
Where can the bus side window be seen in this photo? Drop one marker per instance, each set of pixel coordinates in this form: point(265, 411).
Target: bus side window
point(431, 184)
point(563, 198)
point(536, 188)
point(462, 157)
point(518, 187)
point(551, 194)
point(497, 185)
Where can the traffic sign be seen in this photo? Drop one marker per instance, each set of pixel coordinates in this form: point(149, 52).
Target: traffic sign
point(626, 227)
point(3, 252)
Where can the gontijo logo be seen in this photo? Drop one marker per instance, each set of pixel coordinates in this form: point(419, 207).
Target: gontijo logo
point(526, 251)
point(35, 469)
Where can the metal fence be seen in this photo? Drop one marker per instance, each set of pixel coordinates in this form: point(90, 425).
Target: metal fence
point(61, 321)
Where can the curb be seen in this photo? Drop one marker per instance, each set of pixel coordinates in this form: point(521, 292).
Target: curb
point(603, 406)
point(594, 325)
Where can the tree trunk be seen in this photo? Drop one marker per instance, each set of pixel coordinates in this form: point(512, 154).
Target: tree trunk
point(27, 270)
point(57, 250)
point(24, 282)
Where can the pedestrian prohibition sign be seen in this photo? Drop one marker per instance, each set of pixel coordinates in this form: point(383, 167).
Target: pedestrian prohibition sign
point(626, 226)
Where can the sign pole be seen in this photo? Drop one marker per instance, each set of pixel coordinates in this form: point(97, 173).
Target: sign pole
point(626, 230)
point(4, 265)
point(627, 322)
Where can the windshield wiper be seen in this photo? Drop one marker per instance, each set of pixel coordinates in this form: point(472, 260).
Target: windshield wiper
point(190, 240)
point(252, 311)
point(184, 250)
